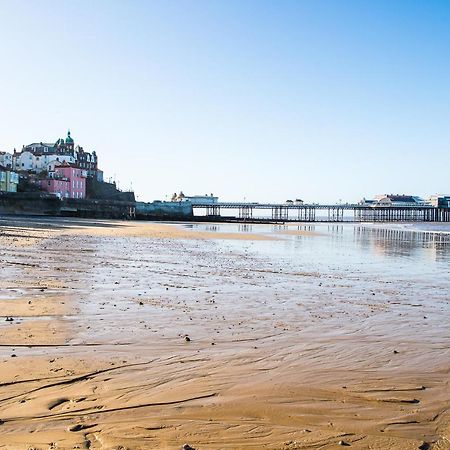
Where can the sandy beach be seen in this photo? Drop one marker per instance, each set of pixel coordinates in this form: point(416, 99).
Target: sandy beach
point(120, 335)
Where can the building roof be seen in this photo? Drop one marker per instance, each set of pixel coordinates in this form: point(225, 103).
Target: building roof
point(40, 144)
point(399, 198)
point(66, 164)
point(402, 198)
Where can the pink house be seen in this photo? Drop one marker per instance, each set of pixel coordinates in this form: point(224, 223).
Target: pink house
point(66, 181)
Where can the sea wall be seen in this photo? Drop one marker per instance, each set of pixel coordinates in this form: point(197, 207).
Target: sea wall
point(40, 203)
point(164, 211)
point(98, 209)
point(34, 203)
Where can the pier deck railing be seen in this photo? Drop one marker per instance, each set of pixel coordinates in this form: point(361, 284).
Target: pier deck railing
point(325, 212)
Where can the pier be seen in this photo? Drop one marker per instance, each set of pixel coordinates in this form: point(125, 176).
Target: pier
point(272, 212)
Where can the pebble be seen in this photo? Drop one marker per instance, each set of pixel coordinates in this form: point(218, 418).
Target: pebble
point(187, 339)
point(424, 446)
point(188, 447)
point(345, 444)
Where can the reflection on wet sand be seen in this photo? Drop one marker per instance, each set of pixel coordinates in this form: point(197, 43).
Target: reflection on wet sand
point(124, 339)
point(403, 242)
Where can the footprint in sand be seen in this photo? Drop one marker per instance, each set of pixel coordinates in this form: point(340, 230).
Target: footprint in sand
point(63, 400)
point(81, 426)
point(59, 401)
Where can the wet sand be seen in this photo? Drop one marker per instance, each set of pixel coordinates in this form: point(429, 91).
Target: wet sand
point(278, 356)
point(161, 231)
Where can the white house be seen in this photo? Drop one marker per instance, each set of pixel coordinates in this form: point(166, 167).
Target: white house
point(24, 161)
point(39, 162)
point(6, 160)
point(48, 162)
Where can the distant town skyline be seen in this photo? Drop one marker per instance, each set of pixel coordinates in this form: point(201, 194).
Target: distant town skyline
point(323, 101)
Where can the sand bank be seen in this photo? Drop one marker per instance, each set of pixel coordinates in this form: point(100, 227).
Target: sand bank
point(161, 231)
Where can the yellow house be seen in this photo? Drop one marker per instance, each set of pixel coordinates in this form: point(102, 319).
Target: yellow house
point(8, 180)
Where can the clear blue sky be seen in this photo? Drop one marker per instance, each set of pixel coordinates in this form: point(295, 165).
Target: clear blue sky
point(267, 100)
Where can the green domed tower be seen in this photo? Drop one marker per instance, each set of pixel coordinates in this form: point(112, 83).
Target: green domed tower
point(69, 142)
point(69, 139)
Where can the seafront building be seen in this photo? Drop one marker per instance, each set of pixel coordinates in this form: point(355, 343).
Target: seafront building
point(195, 199)
point(9, 180)
point(440, 201)
point(399, 200)
point(6, 160)
point(395, 200)
point(61, 168)
point(65, 181)
point(37, 163)
point(40, 157)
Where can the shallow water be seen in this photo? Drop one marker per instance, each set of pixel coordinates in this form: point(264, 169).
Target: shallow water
point(399, 251)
